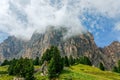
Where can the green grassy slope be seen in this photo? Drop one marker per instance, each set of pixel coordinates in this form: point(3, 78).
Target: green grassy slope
point(76, 72)
point(3, 73)
point(83, 72)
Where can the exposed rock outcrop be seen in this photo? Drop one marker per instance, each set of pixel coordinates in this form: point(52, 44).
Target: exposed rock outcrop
point(44, 69)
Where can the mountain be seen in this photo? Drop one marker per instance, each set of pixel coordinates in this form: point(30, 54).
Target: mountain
point(77, 45)
point(11, 47)
point(112, 53)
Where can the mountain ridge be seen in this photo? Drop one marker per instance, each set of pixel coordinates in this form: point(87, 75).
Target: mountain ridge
point(78, 45)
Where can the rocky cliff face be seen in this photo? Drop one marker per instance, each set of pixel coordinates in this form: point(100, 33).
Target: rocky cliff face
point(78, 45)
point(11, 47)
point(112, 53)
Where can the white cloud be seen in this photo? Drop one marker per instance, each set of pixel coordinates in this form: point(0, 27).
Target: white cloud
point(22, 17)
point(109, 8)
point(117, 27)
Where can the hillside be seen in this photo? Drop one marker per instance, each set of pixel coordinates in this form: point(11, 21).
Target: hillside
point(76, 72)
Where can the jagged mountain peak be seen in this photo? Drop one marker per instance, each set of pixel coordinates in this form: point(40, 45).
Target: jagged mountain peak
point(77, 45)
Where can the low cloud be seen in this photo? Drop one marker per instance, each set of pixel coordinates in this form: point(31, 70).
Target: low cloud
point(22, 18)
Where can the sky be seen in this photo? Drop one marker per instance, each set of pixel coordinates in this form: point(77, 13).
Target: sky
point(21, 18)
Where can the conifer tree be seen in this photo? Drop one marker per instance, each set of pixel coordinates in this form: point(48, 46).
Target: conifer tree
point(101, 66)
point(71, 60)
point(115, 69)
point(118, 66)
point(85, 60)
point(6, 62)
point(52, 69)
point(67, 64)
point(56, 64)
point(36, 61)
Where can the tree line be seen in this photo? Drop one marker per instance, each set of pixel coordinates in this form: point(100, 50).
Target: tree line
point(24, 67)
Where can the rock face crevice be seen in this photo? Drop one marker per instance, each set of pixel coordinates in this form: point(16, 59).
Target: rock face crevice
point(78, 45)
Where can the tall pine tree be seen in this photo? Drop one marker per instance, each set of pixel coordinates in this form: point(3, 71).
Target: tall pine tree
point(55, 62)
point(36, 61)
point(71, 60)
point(67, 64)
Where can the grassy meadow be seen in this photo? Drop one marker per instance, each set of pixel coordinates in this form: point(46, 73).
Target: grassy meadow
point(76, 72)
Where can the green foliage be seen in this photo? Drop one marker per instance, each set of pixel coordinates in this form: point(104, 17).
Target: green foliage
point(77, 61)
point(6, 62)
point(58, 60)
point(11, 69)
point(52, 56)
point(119, 66)
point(47, 56)
point(22, 68)
point(85, 60)
point(117, 69)
point(76, 72)
point(36, 61)
point(67, 64)
point(56, 64)
point(101, 66)
point(52, 69)
point(71, 60)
